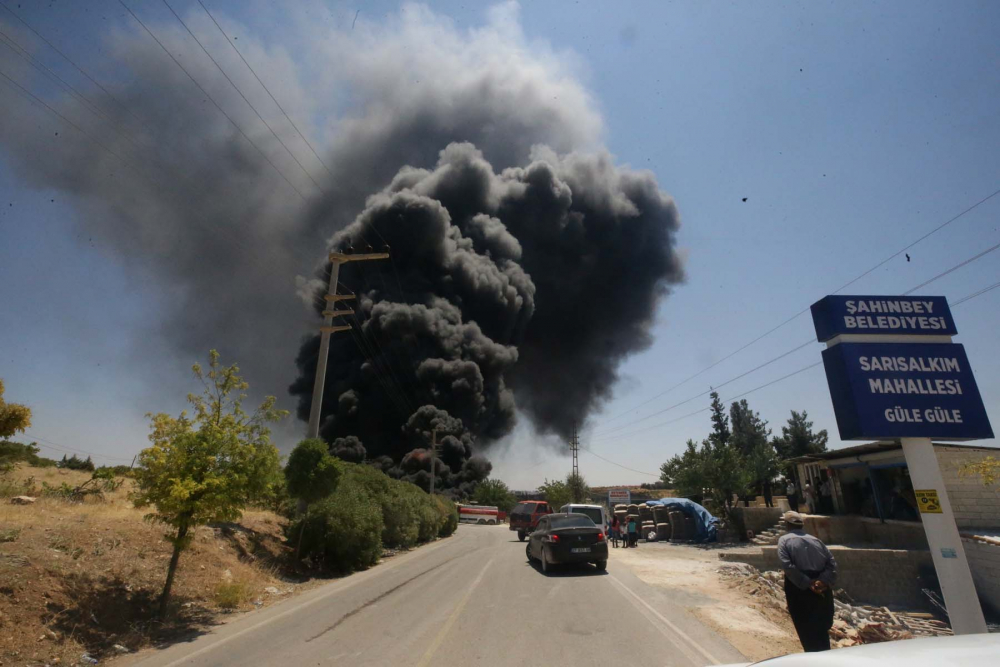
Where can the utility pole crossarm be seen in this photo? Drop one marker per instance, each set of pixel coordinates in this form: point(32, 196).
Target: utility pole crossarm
point(344, 257)
point(331, 297)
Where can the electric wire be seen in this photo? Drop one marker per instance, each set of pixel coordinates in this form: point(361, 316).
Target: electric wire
point(240, 92)
point(78, 68)
point(212, 100)
point(806, 309)
point(51, 444)
point(273, 99)
point(614, 433)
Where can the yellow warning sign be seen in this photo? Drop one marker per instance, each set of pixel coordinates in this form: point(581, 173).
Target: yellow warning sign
point(927, 501)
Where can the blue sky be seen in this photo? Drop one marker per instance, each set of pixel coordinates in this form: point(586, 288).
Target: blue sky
point(851, 129)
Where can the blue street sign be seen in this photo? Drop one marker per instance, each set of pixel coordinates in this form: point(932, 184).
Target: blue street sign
point(905, 390)
point(885, 315)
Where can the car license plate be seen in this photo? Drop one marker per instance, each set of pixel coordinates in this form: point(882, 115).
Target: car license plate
point(581, 550)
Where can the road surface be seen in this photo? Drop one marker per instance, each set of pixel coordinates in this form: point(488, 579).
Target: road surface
point(471, 599)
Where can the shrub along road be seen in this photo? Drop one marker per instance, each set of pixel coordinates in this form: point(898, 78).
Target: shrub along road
point(469, 599)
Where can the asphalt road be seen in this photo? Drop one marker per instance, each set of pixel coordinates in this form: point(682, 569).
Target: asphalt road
point(472, 599)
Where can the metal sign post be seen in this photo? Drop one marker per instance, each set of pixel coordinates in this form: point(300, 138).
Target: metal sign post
point(894, 374)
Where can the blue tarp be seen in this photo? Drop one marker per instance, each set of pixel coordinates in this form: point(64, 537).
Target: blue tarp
point(706, 526)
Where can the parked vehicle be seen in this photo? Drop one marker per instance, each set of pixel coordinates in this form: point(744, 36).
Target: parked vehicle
point(958, 651)
point(525, 516)
point(480, 514)
point(597, 513)
point(567, 538)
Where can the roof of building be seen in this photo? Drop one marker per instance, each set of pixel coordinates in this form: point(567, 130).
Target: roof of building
point(874, 448)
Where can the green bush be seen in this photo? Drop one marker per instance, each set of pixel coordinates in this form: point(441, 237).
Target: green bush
point(343, 532)
point(448, 512)
point(400, 520)
point(370, 510)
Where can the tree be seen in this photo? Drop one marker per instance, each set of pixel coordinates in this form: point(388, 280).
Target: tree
point(494, 493)
point(207, 468)
point(749, 430)
point(797, 438)
point(311, 475)
point(14, 418)
point(556, 492)
point(579, 492)
point(720, 424)
point(685, 472)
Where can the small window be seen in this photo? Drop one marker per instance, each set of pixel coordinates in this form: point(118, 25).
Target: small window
point(542, 507)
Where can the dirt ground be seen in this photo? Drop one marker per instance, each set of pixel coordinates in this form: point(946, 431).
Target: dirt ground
point(81, 578)
point(757, 627)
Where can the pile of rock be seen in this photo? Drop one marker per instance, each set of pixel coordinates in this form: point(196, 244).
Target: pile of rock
point(853, 624)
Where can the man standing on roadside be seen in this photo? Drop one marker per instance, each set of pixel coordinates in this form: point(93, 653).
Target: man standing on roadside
point(810, 573)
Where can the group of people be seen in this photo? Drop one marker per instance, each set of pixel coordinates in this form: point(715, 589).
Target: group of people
point(625, 531)
point(817, 495)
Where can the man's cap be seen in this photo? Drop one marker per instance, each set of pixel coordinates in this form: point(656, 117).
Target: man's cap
point(793, 518)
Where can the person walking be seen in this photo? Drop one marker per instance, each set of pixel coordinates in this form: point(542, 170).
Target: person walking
point(615, 527)
point(792, 493)
point(810, 573)
point(633, 532)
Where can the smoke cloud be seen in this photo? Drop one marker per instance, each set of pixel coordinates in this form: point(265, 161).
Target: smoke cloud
point(526, 265)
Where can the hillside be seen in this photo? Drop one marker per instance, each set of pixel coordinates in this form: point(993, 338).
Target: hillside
point(81, 578)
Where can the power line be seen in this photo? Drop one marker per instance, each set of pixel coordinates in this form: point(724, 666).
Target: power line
point(618, 464)
point(954, 268)
point(72, 450)
point(614, 435)
point(236, 241)
point(212, 100)
point(282, 109)
point(981, 292)
point(806, 309)
point(237, 89)
point(78, 68)
point(705, 393)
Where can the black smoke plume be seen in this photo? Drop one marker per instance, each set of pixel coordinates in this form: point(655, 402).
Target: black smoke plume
point(520, 275)
point(518, 290)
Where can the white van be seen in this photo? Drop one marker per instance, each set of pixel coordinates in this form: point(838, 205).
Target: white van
point(596, 513)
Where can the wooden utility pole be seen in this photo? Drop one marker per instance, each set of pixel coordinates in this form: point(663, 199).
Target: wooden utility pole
point(574, 446)
point(434, 449)
point(336, 259)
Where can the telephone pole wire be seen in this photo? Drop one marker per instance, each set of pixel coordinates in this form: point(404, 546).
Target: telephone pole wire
point(336, 259)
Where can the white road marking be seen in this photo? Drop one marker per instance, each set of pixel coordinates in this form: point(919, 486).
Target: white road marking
point(680, 633)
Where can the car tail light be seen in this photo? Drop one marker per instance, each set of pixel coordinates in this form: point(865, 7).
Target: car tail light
point(600, 537)
point(550, 538)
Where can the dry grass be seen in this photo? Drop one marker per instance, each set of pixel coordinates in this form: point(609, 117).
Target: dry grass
point(78, 577)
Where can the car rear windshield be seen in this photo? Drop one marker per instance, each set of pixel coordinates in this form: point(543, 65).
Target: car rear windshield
point(524, 508)
point(574, 521)
point(593, 512)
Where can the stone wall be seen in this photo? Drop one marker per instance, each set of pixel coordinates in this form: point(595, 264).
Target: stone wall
point(871, 576)
point(974, 504)
point(984, 561)
point(758, 519)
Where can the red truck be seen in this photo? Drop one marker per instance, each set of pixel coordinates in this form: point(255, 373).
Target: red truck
point(524, 518)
